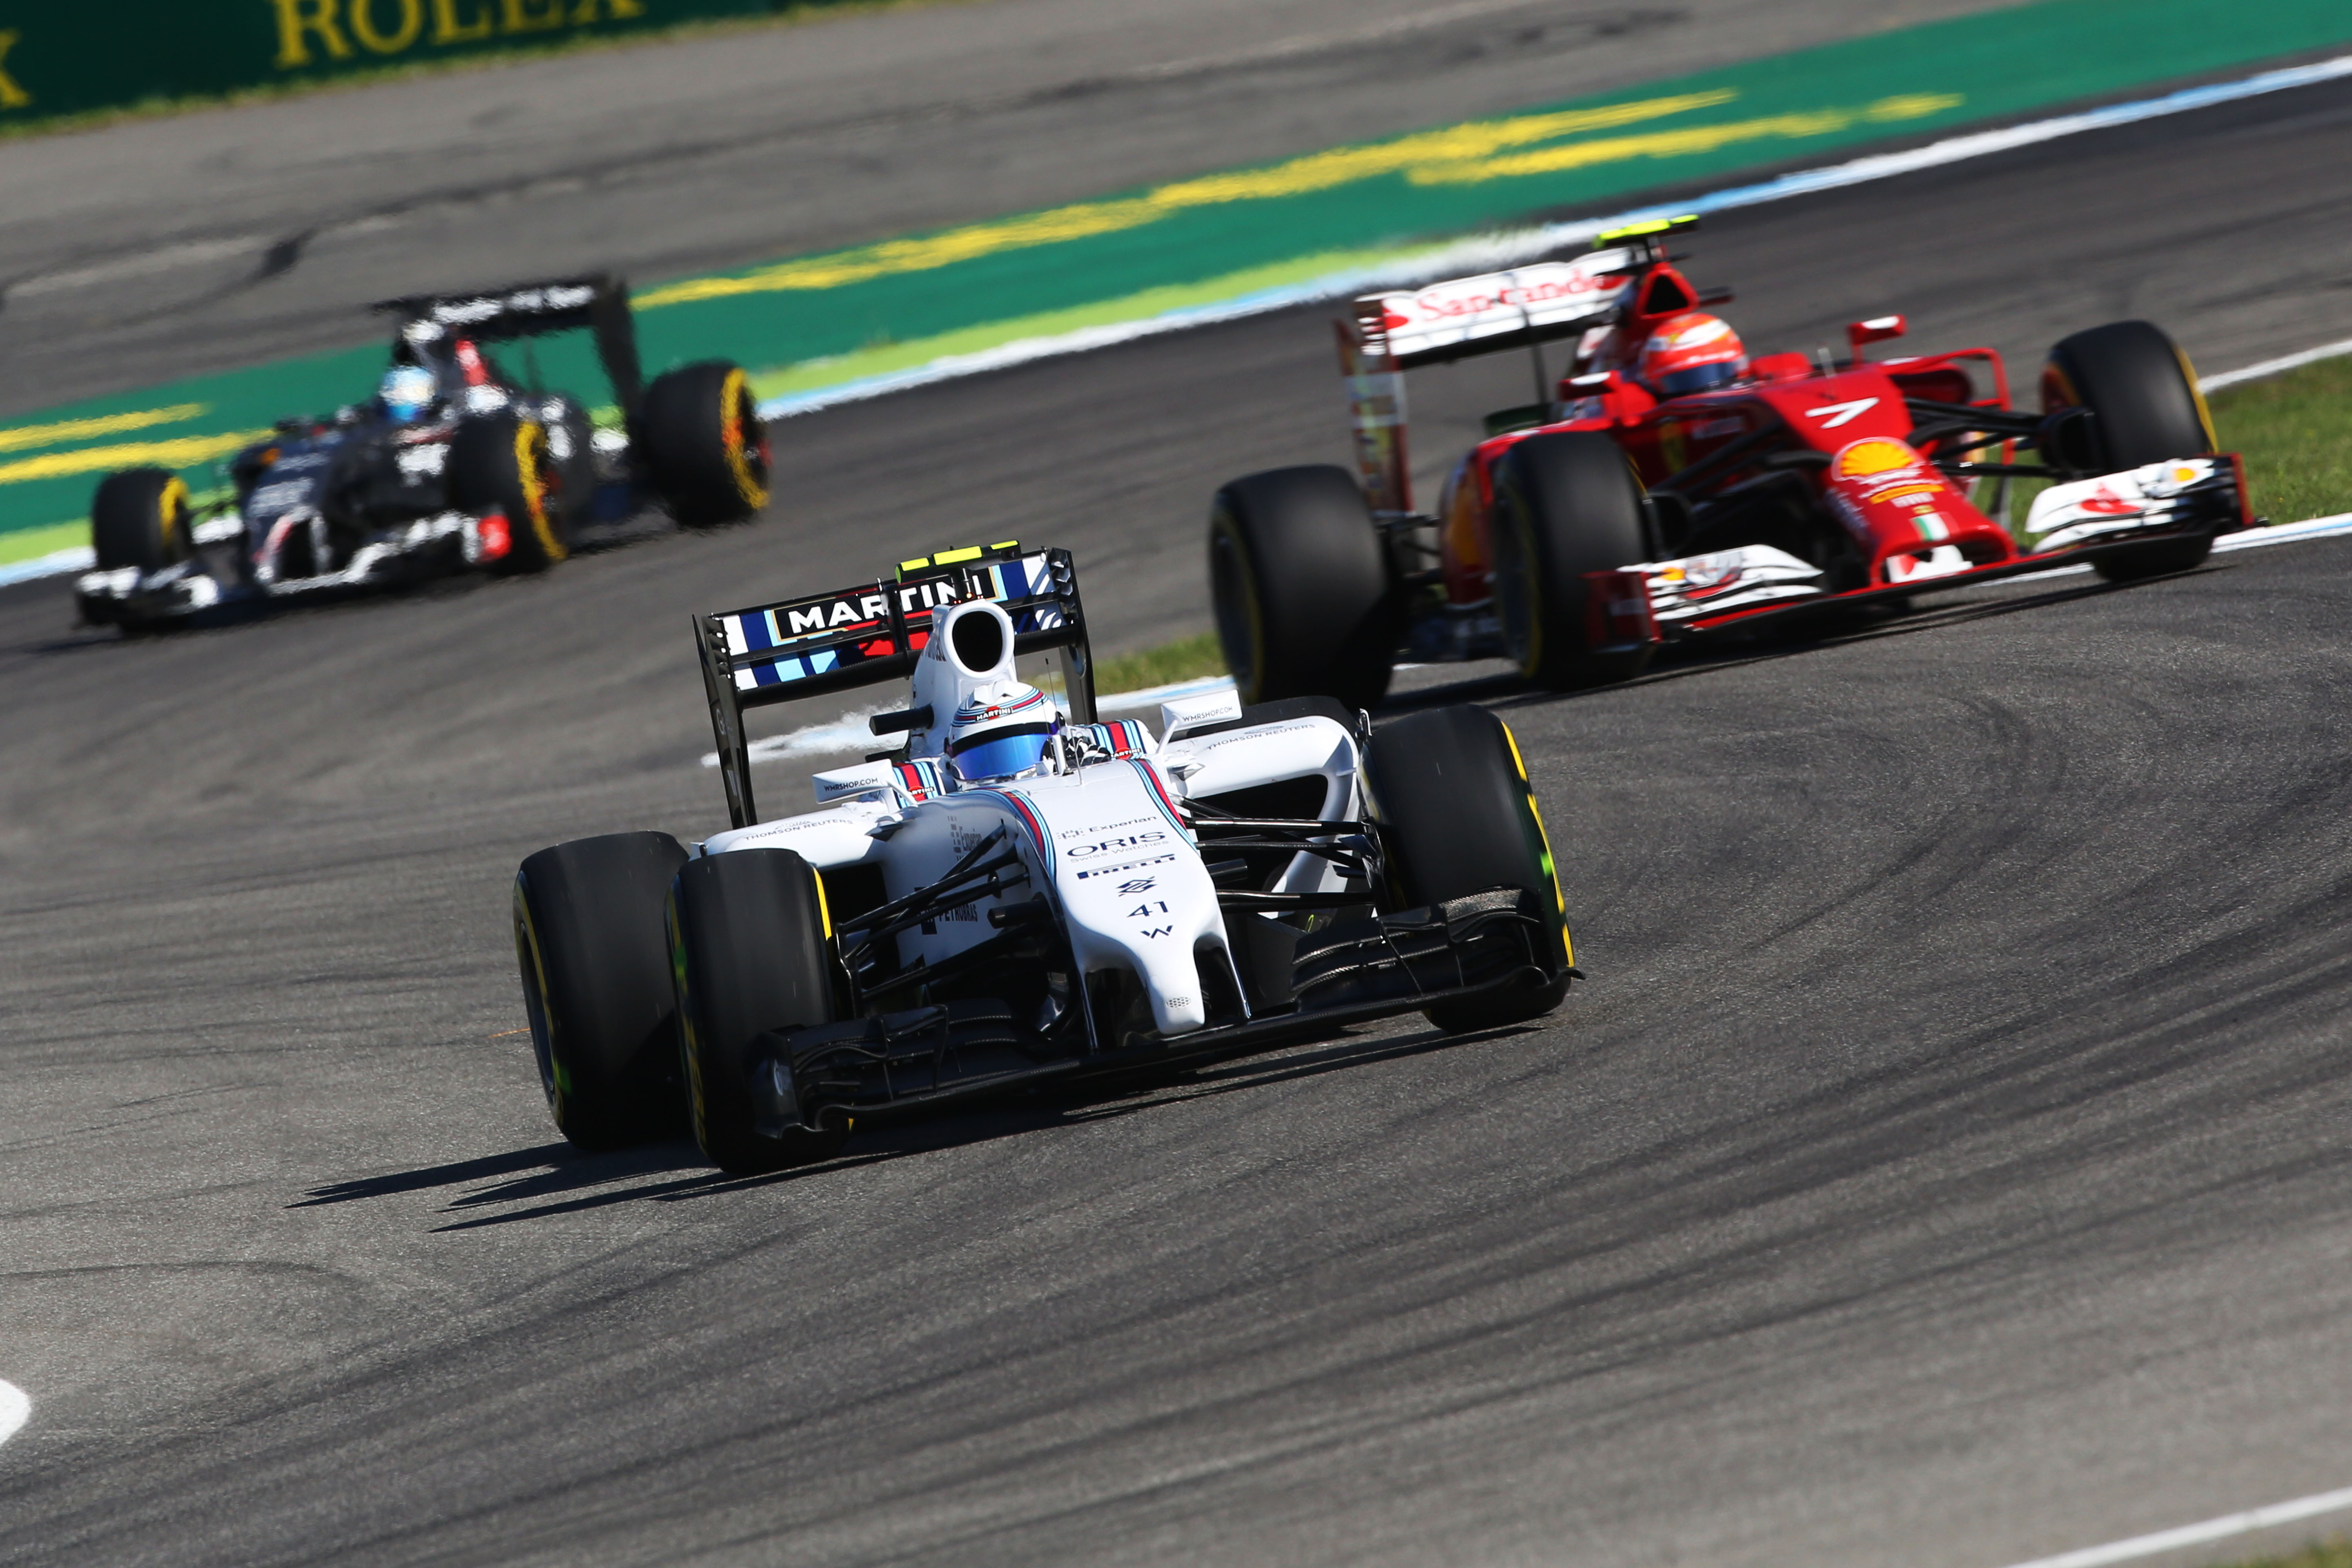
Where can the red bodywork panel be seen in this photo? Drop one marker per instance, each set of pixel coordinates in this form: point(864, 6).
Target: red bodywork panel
point(1889, 498)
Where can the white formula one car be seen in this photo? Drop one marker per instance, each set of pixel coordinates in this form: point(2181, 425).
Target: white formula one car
point(1017, 893)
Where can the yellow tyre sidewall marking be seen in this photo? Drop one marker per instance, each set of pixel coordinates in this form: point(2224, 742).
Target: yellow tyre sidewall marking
point(733, 395)
point(530, 441)
point(170, 513)
point(530, 932)
point(692, 1047)
point(2196, 395)
point(1550, 861)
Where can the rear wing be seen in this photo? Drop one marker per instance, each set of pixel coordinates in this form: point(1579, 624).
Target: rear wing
point(874, 632)
point(1387, 334)
point(599, 303)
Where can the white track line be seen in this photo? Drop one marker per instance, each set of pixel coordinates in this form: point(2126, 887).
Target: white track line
point(2213, 1529)
point(13, 1408)
point(1487, 252)
point(2274, 366)
point(54, 564)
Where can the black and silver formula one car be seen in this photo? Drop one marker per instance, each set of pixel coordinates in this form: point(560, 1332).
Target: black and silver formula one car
point(1018, 893)
point(454, 465)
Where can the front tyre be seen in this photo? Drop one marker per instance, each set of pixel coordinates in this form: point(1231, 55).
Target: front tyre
point(1565, 505)
point(703, 444)
point(1304, 604)
point(2143, 394)
point(498, 466)
point(1457, 815)
point(140, 518)
point(749, 951)
point(596, 986)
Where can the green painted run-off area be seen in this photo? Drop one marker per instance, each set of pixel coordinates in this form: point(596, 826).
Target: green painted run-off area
point(828, 318)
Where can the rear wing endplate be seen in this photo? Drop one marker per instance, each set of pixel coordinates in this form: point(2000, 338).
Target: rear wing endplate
point(874, 632)
point(599, 303)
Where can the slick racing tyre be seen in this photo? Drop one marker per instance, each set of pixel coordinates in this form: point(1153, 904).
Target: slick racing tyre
point(2146, 406)
point(1457, 815)
point(596, 985)
point(140, 518)
point(1565, 505)
point(749, 952)
point(1304, 604)
point(498, 465)
point(703, 444)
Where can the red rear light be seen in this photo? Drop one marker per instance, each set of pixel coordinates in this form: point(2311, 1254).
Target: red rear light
point(496, 536)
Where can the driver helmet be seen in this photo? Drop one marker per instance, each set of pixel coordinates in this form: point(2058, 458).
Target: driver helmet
point(1000, 731)
point(406, 392)
point(1691, 352)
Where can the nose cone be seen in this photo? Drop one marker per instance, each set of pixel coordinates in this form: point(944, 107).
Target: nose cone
point(1177, 1005)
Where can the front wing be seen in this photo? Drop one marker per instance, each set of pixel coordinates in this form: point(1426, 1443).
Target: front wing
point(2079, 523)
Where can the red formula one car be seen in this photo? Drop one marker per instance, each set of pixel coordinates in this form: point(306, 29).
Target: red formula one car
point(1668, 487)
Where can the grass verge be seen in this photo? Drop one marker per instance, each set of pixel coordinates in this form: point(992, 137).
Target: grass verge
point(1163, 666)
point(2295, 431)
point(2335, 1552)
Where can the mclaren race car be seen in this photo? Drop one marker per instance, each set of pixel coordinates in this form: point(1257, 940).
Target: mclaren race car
point(1016, 893)
point(1669, 488)
point(453, 465)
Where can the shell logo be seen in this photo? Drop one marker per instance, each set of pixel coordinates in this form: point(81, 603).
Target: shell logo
point(1875, 455)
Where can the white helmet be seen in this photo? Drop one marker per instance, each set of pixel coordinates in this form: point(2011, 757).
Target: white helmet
point(1002, 730)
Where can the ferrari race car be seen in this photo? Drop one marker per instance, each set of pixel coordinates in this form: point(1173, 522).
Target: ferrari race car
point(1668, 489)
point(1018, 893)
point(453, 465)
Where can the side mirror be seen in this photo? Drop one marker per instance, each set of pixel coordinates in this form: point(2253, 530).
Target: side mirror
point(1876, 329)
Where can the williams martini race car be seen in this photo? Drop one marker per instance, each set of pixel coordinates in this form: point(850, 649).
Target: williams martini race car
point(1669, 489)
point(1016, 893)
point(452, 466)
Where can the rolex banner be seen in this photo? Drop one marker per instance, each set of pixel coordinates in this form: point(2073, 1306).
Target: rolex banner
point(64, 57)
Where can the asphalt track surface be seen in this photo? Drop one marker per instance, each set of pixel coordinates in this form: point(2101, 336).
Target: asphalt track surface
point(1946, 1163)
point(154, 250)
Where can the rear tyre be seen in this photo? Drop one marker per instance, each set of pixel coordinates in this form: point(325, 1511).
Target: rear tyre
point(1565, 505)
point(1457, 815)
point(2142, 393)
point(703, 444)
point(749, 951)
point(498, 466)
point(1305, 606)
point(140, 518)
point(596, 985)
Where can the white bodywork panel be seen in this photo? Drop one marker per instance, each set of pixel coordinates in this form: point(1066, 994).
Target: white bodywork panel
point(2152, 496)
point(1464, 309)
point(1724, 580)
point(1104, 842)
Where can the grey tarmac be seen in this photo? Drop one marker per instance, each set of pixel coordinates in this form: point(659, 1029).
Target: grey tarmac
point(1945, 1164)
point(152, 249)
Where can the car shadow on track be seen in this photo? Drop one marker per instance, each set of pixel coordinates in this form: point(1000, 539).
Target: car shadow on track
point(578, 1182)
point(1682, 663)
